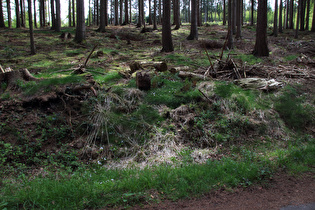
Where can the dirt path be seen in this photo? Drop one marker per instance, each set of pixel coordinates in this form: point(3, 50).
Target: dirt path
point(283, 190)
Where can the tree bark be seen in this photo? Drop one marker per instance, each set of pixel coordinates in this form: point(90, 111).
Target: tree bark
point(193, 25)
point(126, 13)
point(116, 12)
point(252, 12)
point(80, 28)
point(275, 19)
point(30, 17)
point(167, 42)
point(58, 17)
point(102, 16)
point(154, 16)
point(73, 14)
point(261, 45)
point(17, 14)
point(9, 14)
point(280, 17)
point(35, 20)
point(224, 13)
point(238, 19)
point(176, 9)
point(2, 25)
point(22, 13)
point(230, 33)
point(53, 13)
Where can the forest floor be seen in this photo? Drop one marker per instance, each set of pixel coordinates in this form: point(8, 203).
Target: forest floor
point(52, 120)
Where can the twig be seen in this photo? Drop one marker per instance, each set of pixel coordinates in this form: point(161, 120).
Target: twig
point(209, 58)
point(210, 100)
point(87, 59)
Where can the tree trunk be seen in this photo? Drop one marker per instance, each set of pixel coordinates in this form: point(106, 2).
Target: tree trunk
point(80, 29)
point(230, 33)
point(176, 8)
point(150, 13)
point(2, 25)
point(167, 42)
point(296, 35)
point(73, 13)
point(261, 45)
point(116, 12)
point(238, 19)
point(252, 12)
point(193, 25)
point(308, 14)
point(287, 14)
point(121, 12)
point(224, 13)
point(160, 12)
point(139, 24)
point(291, 14)
point(313, 22)
point(280, 17)
point(302, 4)
point(35, 20)
point(154, 16)
point(53, 15)
point(30, 16)
point(22, 13)
point(102, 16)
point(126, 13)
point(17, 14)
point(69, 14)
point(58, 18)
point(275, 20)
point(198, 13)
point(9, 13)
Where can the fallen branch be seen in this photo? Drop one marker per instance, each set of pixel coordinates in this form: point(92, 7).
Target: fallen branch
point(87, 59)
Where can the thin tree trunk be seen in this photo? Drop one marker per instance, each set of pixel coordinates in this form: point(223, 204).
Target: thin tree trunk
point(116, 13)
point(154, 16)
point(2, 25)
point(224, 13)
point(30, 16)
point(150, 13)
point(287, 14)
point(126, 13)
point(58, 17)
point(296, 34)
point(302, 4)
point(52, 12)
point(238, 19)
point(102, 16)
point(194, 21)
point(261, 45)
point(280, 17)
point(313, 22)
point(252, 12)
point(35, 20)
point(80, 28)
point(167, 42)
point(275, 20)
point(22, 13)
point(17, 14)
point(291, 14)
point(121, 12)
point(308, 14)
point(69, 14)
point(230, 33)
point(160, 12)
point(9, 13)
point(176, 14)
point(73, 13)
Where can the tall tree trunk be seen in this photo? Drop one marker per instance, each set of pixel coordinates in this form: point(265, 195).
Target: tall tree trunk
point(252, 12)
point(291, 14)
point(194, 19)
point(22, 13)
point(233, 12)
point(35, 20)
point(275, 19)
point(150, 13)
point(58, 17)
point(139, 14)
point(302, 5)
point(2, 25)
point(126, 13)
point(261, 45)
point(80, 28)
point(160, 12)
point(230, 33)
point(121, 12)
point(9, 13)
point(53, 15)
point(30, 17)
point(224, 13)
point(17, 14)
point(176, 9)
point(308, 15)
point(296, 34)
point(106, 13)
point(167, 42)
point(97, 13)
point(69, 14)
point(287, 14)
point(154, 16)
point(198, 12)
point(102, 16)
point(280, 17)
point(73, 13)
point(313, 22)
point(116, 12)
point(238, 19)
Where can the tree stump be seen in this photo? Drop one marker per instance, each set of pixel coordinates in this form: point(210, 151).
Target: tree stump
point(10, 77)
point(143, 80)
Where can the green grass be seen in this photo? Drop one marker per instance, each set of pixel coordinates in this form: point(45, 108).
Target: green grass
point(96, 188)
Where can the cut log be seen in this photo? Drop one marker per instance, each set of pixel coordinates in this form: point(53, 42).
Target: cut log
point(191, 75)
point(157, 65)
point(175, 70)
point(143, 80)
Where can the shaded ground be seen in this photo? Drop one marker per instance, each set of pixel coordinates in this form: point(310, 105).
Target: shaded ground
point(283, 190)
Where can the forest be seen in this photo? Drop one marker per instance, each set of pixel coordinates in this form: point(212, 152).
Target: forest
point(156, 104)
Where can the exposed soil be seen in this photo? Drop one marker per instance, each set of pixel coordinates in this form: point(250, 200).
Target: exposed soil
point(282, 190)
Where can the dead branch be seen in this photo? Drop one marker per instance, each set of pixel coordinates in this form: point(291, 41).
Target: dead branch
point(209, 99)
point(87, 59)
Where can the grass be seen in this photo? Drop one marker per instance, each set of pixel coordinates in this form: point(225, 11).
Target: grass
point(99, 187)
